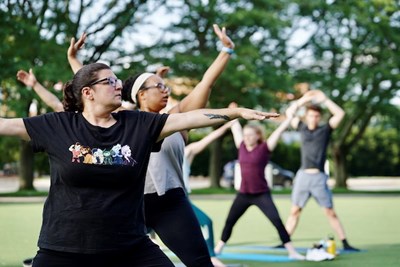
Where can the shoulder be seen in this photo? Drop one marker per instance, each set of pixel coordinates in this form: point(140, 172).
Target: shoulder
point(138, 115)
point(52, 116)
point(264, 145)
point(326, 128)
point(301, 127)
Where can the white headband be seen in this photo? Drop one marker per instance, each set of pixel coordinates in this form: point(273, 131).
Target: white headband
point(138, 83)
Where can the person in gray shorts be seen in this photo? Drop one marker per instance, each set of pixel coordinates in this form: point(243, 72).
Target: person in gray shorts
point(311, 180)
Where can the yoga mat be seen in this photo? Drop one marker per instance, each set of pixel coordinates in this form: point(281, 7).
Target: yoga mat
point(254, 257)
point(268, 248)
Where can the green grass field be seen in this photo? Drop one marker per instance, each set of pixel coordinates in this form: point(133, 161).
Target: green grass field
point(372, 223)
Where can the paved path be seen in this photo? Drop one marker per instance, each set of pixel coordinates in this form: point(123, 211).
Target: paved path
point(11, 184)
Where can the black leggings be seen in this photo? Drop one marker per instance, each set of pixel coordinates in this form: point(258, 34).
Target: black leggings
point(145, 254)
point(264, 202)
point(172, 218)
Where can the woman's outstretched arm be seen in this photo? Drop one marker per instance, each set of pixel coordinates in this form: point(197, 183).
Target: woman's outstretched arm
point(209, 117)
point(29, 79)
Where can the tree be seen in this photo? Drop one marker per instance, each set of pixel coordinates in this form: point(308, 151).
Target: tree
point(353, 55)
point(258, 30)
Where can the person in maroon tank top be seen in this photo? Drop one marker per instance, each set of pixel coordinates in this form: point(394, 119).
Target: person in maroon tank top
point(254, 154)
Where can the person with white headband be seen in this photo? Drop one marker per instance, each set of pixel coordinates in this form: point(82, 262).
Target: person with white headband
point(167, 208)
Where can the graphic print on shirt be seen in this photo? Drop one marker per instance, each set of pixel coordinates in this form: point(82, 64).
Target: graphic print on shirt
point(116, 155)
point(76, 152)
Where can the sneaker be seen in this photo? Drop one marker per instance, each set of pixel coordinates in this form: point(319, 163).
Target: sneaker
point(318, 254)
point(297, 256)
point(351, 249)
point(280, 246)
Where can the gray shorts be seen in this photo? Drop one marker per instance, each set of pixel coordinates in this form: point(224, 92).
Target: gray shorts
point(306, 185)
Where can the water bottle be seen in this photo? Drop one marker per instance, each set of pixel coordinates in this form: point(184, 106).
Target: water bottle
point(331, 245)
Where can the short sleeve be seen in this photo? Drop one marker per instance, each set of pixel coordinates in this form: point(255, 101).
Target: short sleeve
point(41, 129)
point(300, 126)
point(154, 123)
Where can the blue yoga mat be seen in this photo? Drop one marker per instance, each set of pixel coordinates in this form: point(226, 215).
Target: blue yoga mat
point(267, 248)
point(239, 253)
point(254, 257)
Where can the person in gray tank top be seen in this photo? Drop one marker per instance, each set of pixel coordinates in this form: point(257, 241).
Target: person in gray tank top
point(311, 179)
point(167, 207)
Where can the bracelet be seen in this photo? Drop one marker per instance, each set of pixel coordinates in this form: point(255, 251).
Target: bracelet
point(228, 50)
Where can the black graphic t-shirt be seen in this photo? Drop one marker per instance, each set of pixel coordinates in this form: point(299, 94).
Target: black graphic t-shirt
point(95, 202)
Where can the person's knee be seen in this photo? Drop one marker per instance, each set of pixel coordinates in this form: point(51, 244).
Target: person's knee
point(330, 213)
point(295, 212)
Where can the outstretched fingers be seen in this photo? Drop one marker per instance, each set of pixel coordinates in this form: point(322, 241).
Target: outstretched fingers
point(226, 41)
point(81, 41)
point(26, 78)
point(74, 46)
point(258, 115)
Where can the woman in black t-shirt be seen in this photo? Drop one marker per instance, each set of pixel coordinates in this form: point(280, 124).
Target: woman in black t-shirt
point(93, 215)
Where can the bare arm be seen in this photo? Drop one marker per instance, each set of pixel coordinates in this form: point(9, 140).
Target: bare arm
point(291, 113)
point(73, 51)
point(237, 133)
point(209, 117)
point(195, 148)
point(337, 112)
point(236, 128)
point(49, 98)
point(199, 96)
point(273, 139)
point(294, 107)
point(13, 127)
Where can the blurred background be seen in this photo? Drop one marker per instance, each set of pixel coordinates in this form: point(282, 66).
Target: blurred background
point(348, 49)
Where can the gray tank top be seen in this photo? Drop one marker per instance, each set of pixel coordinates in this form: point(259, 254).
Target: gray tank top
point(165, 167)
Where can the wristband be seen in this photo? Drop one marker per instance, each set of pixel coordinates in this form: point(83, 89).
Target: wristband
point(228, 50)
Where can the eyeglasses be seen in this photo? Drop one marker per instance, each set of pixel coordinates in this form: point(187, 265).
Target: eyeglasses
point(160, 86)
point(110, 80)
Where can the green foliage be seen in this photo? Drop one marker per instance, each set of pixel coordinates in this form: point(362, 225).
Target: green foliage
point(8, 152)
point(258, 67)
point(287, 156)
point(201, 162)
point(377, 153)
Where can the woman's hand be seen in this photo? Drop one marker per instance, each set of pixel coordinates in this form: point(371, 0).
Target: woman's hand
point(75, 46)
point(226, 41)
point(26, 78)
point(162, 71)
point(251, 114)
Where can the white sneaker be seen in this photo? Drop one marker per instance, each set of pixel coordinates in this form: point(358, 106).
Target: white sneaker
point(318, 254)
point(297, 256)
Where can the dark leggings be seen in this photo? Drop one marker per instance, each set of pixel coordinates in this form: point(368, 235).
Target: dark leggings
point(145, 254)
point(172, 218)
point(264, 202)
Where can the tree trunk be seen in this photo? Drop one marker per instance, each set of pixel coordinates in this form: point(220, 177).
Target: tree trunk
point(339, 163)
point(26, 166)
point(215, 163)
